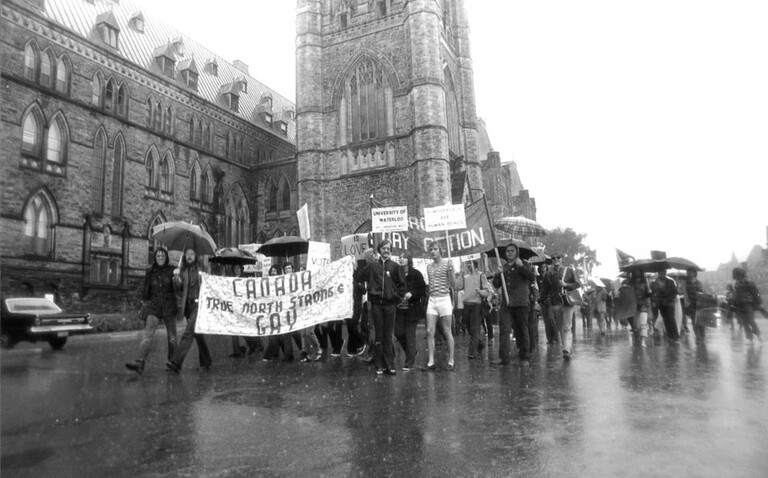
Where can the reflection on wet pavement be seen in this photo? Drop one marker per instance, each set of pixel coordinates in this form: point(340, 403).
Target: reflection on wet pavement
point(615, 409)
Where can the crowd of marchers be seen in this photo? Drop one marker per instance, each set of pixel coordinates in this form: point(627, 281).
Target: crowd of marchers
point(391, 298)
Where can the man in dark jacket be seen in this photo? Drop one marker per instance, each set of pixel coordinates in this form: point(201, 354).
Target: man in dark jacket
point(518, 276)
point(746, 299)
point(386, 288)
point(664, 291)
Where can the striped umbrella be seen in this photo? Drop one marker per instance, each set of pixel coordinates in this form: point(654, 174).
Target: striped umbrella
point(520, 226)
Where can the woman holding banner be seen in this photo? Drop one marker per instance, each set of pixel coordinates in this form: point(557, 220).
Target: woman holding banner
point(439, 307)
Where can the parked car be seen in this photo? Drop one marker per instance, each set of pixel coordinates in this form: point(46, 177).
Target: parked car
point(36, 318)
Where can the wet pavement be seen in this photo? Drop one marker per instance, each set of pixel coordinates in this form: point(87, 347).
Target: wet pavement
point(615, 409)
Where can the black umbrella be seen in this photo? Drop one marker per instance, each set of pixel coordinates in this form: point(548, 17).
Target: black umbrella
point(232, 256)
point(524, 249)
point(645, 266)
point(285, 246)
point(681, 263)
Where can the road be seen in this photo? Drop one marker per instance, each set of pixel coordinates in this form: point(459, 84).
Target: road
point(615, 409)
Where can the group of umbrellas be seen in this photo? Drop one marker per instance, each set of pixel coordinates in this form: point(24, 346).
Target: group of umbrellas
point(181, 235)
point(655, 265)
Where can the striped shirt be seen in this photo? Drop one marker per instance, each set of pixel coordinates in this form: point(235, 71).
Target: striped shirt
point(439, 282)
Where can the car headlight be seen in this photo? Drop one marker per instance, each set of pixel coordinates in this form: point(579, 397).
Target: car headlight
point(38, 321)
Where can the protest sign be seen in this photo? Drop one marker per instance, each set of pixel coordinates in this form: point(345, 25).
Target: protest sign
point(302, 215)
point(389, 219)
point(475, 238)
point(318, 255)
point(263, 263)
point(444, 218)
point(354, 245)
point(262, 306)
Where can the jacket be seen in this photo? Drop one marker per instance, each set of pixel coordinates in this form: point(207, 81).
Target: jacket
point(746, 296)
point(518, 281)
point(551, 288)
point(181, 284)
point(386, 282)
point(159, 291)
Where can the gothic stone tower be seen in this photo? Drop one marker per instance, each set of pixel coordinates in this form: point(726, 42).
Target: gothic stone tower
point(385, 106)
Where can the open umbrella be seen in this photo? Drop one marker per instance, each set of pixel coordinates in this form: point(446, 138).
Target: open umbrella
point(520, 226)
point(285, 246)
point(541, 259)
point(524, 249)
point(232, 256)
point(181, 235)
point(645, 265)
point(681, 263)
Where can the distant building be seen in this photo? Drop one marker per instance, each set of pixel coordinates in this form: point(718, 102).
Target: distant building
point(756, 266)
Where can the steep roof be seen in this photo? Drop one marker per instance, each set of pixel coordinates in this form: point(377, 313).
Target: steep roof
point(141, 47)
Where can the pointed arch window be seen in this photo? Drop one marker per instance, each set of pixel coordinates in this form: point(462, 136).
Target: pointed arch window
point(452, 114)
point(46, 69)
point(204, 186)
point(244, 223)
point(166, 174)
point(199, 133)
point(38, 226)
point(117, 177)
point(30, 62)
point(193, 186)
point(207, 140)
point(122, 100)
point(62, 76)
point(158, 117)
point(151, 165)
point(55, 152)
point(98, 170)
point(285, 196)
point(168, 121)
point(150, 111)
point(96, 90)
point(30, 133)
point(109, 93)
point(192, 129)
point(366, 105)
point(271, 198)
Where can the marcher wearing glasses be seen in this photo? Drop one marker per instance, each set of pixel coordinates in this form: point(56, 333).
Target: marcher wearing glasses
point(386, 289)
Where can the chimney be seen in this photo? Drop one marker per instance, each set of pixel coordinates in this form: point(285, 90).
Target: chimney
point(240, 66)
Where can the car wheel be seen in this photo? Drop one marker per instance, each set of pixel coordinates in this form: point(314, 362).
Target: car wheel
point(57, 343)
point(6, 341)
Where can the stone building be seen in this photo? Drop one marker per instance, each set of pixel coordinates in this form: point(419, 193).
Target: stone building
point(112, 123)
point(386, 106)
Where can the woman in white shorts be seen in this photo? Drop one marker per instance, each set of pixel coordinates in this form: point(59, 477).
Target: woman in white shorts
point(439, 307)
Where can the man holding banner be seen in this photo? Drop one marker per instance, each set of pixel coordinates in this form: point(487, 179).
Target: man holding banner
point(386, 288)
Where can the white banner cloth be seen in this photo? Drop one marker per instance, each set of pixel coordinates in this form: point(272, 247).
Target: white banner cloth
point(262, 306)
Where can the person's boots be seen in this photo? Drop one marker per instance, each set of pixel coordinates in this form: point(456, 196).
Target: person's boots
point(137, 366)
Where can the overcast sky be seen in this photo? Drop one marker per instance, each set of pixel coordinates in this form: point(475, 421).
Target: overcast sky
point(642, 124)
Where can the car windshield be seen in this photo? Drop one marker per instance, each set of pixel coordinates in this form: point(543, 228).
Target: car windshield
point(31, 305)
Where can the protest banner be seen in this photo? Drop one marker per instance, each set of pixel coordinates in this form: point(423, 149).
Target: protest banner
point(355, 245)
point(318, 255)
point(262, 306)
point(389, 219)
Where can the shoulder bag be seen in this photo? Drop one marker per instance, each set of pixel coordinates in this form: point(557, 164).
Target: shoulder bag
point(571, 297)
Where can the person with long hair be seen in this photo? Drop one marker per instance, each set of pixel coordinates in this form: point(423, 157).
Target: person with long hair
point(160, 303)
point(409, 310)
point(513, 314)
point(186, 280)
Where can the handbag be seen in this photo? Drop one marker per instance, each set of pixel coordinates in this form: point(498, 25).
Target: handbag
point(571, 297)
